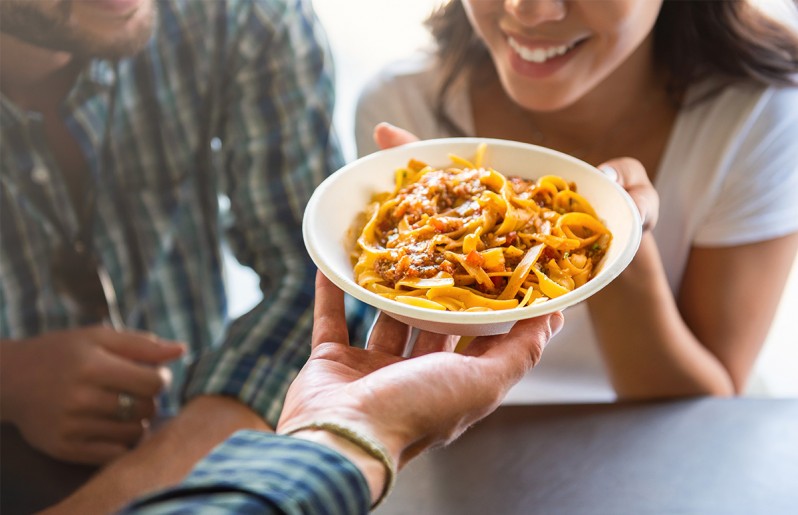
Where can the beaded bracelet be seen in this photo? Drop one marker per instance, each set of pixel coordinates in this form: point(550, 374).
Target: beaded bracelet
point(372, 447)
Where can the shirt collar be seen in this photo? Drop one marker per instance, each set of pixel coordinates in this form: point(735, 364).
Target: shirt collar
point(97, 77)
point(101, 72)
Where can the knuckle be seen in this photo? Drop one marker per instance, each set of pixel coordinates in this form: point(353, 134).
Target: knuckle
point(327, 350)
point(526, 362)
point(534, 356)
point(80, 400)
point(89, 369)
point(630, 164)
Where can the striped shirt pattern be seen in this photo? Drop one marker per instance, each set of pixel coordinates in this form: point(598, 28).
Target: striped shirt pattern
point(264, 473)
point(274, 147)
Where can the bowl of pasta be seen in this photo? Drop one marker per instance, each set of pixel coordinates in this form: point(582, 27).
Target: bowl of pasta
point(466, 236)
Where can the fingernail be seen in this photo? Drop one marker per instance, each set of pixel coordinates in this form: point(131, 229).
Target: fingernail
point(171, 344)
point(166, 376)
point(610, 172)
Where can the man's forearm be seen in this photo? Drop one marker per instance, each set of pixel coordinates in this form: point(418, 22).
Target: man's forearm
point(165, 458)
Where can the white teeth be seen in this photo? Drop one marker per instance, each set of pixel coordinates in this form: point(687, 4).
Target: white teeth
point(537, 55)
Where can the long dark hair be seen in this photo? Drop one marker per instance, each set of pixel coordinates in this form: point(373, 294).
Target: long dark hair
point(693, 40)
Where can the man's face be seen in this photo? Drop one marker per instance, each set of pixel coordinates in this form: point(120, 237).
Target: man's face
point(88, 28)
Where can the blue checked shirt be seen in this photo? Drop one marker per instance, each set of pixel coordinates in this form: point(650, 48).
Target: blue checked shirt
point(274, 145)
point(264, 473)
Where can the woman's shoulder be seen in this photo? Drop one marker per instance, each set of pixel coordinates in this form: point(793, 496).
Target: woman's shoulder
point(709, 101)
point(736, 118)
point(415, 75)
point(736, 149)
point(403, 93)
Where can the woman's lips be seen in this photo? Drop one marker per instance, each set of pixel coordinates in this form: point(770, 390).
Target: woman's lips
point(540, 52)
point(540, 59)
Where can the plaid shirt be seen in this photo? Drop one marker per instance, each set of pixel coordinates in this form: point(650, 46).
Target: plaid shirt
point(289, 476)
point(275, 147)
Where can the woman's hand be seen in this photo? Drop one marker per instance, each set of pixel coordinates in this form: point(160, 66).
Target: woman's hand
point(408, 404)
point(388, 136)
point(631, 175)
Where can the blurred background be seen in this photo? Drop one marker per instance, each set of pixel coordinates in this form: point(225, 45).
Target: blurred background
point(367, 34)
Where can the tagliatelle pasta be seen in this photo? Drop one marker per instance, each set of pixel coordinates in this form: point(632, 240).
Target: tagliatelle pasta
point(467, 238)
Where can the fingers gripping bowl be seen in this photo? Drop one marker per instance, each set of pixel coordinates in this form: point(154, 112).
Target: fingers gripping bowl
point(337, 212)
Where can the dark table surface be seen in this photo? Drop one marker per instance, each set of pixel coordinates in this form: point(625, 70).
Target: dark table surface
point(31, 481)
point(706, 456)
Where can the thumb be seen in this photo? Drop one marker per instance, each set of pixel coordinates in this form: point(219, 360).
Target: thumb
point(388, 136)
point(143, 347)
point(632, 176)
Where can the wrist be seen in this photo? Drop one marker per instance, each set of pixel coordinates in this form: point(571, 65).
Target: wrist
point(645, 268)
point(367, 454)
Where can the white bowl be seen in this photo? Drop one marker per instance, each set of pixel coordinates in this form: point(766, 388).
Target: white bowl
point(337, 203)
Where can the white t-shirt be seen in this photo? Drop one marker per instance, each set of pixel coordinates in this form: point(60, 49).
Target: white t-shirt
point(729, 176)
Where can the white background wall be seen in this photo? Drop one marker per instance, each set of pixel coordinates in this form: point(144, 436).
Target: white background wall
point(364, 35)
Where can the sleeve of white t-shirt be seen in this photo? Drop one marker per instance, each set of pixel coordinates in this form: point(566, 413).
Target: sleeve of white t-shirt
point(759, 197)
point(370, 112)
point(391, 96)
point(403, 95)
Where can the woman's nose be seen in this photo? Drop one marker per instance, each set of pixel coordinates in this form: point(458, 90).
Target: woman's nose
point(536, 12)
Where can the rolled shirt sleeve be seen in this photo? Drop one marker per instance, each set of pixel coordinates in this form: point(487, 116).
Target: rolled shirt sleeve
point(255, 472)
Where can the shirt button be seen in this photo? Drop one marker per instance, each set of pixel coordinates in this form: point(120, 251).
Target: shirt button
point(40, 175)
point(109, 76)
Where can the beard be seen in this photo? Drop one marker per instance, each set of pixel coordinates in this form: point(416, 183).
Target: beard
point(49, 24)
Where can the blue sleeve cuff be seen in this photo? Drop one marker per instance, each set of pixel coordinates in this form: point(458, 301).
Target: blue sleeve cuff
point(257, 472)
